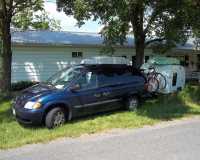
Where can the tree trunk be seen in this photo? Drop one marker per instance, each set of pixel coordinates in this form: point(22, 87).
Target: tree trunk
point(6, 60)
point(138, 31)
point(139, 47)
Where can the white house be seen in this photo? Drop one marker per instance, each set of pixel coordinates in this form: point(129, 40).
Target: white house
point(39, 54)
point(189, 56)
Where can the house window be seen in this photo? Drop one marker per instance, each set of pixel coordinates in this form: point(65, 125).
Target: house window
point(186, 61)
point(182, 63)
point(174, 79)
point(134, 60)
point(146, 58)
point(77, 54)
point(198, 57)
point(198, 62)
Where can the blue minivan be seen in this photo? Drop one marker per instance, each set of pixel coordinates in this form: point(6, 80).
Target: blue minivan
point(79, 90)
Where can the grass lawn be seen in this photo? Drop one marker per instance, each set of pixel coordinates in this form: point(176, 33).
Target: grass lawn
point(186, 103)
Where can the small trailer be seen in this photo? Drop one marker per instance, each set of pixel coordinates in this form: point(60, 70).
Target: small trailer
point(168, 75)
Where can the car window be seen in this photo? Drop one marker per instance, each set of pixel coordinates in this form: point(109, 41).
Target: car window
point(88, 80)
point(116, 77)
point(64, 77)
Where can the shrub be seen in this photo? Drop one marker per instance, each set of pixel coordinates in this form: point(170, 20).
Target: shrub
point(22, 85)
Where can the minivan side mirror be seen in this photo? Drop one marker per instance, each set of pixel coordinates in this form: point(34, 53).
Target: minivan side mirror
point(75, 87)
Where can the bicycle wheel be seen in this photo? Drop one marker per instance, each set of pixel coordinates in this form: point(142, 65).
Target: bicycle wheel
point(161, 80)
point(153, 84)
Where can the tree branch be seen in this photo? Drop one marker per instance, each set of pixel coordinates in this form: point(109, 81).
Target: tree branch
point(151, 20)
point(154, 40)
point(20, 5)
point(17, 6)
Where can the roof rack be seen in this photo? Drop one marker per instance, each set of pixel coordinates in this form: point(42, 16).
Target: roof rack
point(106, 60)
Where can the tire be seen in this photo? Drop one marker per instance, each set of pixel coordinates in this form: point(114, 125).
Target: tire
point(132, 103)
point(55, 118)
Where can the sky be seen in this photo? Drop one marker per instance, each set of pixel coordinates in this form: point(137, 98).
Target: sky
point(68, 23)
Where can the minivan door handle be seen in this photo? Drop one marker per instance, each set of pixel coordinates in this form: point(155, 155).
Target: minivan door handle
point(97, 95)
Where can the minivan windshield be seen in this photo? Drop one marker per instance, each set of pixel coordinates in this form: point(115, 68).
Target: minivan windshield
point(61, 79)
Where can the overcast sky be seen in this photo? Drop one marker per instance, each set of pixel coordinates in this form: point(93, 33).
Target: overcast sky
point(69, 23)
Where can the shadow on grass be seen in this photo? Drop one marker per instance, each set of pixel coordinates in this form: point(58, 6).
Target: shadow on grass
point(167, 107)
point(6, 115)
point(163, 107)
point(192, 92)
point(97, 115)
point(5, 108)
point(4, 99)
point(79, 119)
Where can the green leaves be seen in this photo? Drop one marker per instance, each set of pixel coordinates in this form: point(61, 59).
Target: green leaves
point(167, 19)
point(28, 14)
point(114, 33)
point(31, 20)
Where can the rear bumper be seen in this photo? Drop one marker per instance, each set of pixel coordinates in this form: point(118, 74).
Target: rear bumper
point(25, 116)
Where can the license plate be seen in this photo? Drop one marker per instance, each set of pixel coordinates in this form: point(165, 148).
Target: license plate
point(13, 111)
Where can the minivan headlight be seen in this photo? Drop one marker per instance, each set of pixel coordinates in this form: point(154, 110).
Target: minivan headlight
point(32, 105)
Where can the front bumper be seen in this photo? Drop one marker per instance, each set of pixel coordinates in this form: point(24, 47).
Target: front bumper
point(26, 116)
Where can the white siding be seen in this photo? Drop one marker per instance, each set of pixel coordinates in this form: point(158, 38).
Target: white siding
point(39, 63)
point(192, 60)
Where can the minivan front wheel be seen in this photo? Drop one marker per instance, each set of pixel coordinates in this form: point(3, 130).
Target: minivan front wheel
point(132, 103)
point(55, 118)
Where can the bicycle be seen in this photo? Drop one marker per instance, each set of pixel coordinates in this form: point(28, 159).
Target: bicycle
point(155, 80)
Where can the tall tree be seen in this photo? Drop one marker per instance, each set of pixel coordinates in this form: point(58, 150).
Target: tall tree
point(149, 20)
point(18, 14)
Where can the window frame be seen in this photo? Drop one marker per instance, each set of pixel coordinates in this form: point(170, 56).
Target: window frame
point(174, 81)
point(85, 89)
point(77, 54)
point(146, 58)
point(115, 74)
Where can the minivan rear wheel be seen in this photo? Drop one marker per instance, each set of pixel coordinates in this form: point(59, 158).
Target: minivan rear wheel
point(55, 118)
point(132, 103)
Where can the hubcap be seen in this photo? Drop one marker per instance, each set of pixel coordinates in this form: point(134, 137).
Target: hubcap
point(59, 119)
point(133, 104)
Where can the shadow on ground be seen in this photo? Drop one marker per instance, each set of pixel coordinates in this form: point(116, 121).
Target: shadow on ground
point(167, 107)
point(192, 93)
point(6, 115)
